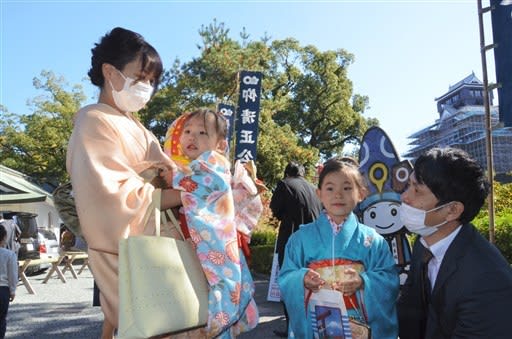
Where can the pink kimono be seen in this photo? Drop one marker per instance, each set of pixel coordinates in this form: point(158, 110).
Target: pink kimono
point(106, 152)
point(221, 209)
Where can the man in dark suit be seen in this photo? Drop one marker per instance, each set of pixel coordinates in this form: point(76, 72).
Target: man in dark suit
point(294, 202)
point(459, 284)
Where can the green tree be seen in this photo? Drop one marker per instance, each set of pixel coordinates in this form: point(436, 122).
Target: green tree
point(307, 105)
point(35, 144)
point(320, 109)
point(276, 147)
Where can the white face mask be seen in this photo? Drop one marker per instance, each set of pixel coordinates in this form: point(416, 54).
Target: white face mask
point(414, 219)
point(132, 97)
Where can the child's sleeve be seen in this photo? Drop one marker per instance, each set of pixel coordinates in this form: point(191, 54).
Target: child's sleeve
point(381, 287)
point(248, 205)
point(291, 284)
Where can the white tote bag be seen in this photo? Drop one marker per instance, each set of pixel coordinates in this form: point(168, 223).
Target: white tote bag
point(162, 287)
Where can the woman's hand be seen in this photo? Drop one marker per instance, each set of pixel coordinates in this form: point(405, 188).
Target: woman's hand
point(166, 174)
point(312, 281)
point(170, 198)
point(163, 178)
point(350, 284)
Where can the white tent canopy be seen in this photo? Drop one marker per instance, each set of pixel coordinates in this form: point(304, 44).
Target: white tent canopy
point(18, 194)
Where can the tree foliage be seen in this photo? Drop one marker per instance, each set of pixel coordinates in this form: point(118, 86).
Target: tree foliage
point(35, 144)
point(307, 108)
point(502, 194)
point(319, 109)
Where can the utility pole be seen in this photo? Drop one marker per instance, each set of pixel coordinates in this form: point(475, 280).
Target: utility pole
point(488, 125)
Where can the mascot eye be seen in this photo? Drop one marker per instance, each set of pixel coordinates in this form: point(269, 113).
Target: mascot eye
point(373, 215)
point(394, 212)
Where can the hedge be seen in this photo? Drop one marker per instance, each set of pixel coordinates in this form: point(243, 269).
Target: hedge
point(502, 232)
point(261, 258)
point(262, 250)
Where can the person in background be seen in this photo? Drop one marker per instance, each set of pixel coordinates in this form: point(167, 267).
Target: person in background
point(70, 241)
point(13, 233)
point(108, 152)
point(8, 279)
point(459, 286)
point(337, 252)
point(294, 202)
point(67, 239)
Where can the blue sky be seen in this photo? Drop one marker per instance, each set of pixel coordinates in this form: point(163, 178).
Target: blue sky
point(407, 53)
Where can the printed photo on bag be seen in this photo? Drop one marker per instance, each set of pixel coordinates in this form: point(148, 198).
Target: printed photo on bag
point(328, 314)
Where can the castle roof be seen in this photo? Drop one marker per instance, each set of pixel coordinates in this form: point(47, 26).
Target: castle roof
point(471, 81)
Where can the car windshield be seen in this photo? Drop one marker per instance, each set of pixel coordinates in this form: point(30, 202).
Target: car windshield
point(48, 234)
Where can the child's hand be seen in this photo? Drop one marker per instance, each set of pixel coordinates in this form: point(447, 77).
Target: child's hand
point(350, 284)
point(313, 281)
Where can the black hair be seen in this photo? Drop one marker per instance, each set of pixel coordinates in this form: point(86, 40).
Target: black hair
point(221, 125)
point(294, 169)
point(3, 232)
point(120, 47)
point(452, 175)
point(348, 165)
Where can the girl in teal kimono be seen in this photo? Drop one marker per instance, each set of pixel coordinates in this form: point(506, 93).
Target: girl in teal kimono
point(337, 252)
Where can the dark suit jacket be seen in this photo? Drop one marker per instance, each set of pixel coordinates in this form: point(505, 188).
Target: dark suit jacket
point(472, 295)
point(294, 202)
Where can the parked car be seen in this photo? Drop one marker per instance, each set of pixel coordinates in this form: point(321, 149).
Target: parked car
point(29, 239)
point(48, 246)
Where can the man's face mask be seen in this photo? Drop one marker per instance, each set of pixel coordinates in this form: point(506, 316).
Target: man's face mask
point(414, 219)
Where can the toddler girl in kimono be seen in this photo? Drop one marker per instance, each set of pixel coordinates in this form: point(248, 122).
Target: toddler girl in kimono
point(337, 252)
point(197, 142)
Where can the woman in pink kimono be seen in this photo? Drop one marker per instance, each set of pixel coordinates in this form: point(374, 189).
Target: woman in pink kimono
point(107, 152)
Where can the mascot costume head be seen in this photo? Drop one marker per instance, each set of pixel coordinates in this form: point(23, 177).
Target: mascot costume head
point(387, 178)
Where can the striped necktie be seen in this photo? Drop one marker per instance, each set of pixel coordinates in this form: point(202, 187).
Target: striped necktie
point(425, 281)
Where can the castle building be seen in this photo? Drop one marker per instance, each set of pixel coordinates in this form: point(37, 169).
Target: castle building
point(462, 124)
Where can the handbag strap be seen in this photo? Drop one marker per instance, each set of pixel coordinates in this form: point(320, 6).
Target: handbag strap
point(360, 300)
point(154, 206)
point(157, 199)
point(169, 214)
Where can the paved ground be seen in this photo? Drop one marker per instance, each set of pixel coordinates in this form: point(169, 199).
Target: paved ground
point(271, 313)
point(61, 310)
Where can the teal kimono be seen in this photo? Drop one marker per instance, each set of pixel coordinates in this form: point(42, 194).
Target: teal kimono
point(314, 243)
